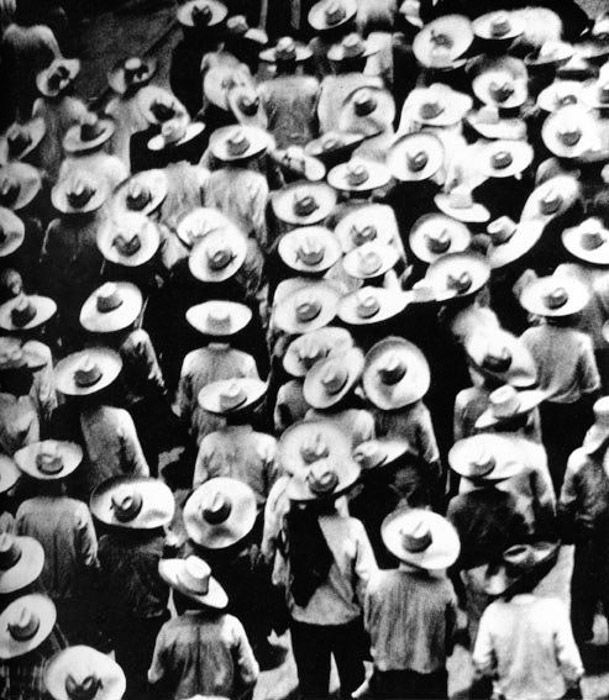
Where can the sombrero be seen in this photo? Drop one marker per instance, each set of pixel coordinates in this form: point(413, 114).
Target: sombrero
point(595, 93)
point(234, 143)
point(130, 240)
point(176, 132)
point(133, 503)
point(521, 561)
point(396, 374)
point(381, 452)
point(23, 139)
point(359, 175)
point(560, 93)
point(436, 105)
point(551, 198)
point(285, 51)
point(80, 672)
point(231, 395)
point(12, 232)
point(498, 26)
point(192, 578)
point(89, 135)
point(9, 473)
point(435, 235)
point(308, 441)
point(21, 562)
point(49, 460)
point(501, 82)
point(555, 296)
point(132, 73)
point(551, 53)
point(158, 105)
point(19, 185)
point(507, 403)
point(218, 256)
point(421, 538)
point(312, 347)
point(366, 224)
point(487, 457)
point(200, 14)
point(330, 14)
point(501, 159)
point(220, 513)
point(415, 157)
point(370, 260)
point(25, 624)
point(459, 204)
point(509, 240)
point(79, 192)
point(15, 356)
point(87, 371)
point(351, 46)
point(334, 147)
point(112, 307)
point(23, 313)
point(310, 307)
point(441, 42)
point(569, 132)
point(502, 356)
point(598, 434)
point(143, 192)
point(331, 379)
point(311, 249)
point(369, 111)
point(326, 478)
point(589, 241)
point(456, 275)
point(54, 80)
point(370, 305)
point(491, 125)
point(219, 317)
point(303, 203)
point(218, 79)
point(247, 107)
point(198, 223)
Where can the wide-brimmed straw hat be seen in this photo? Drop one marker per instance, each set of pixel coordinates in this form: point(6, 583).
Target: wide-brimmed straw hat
point(311, 249)
point(595, 93)
point(459, 204)
point(434, 235)
point(304, 203)
point(308, 441)
point(351, 46)
point(286, 50)
point(175, 132)
point(509, 240)
point(219, 317)
point(312, 347)
point(330, 380)
point(502, 82)
point(359, 175)
point(112, 307)
point(79, 192)
point(334, 147)
point(521, 561)
point(201, 14)
point(220, 513)
point(15, 356)
point(381, 452)
point(246, 106)
point(12, 232)
point(504, 158)
point(486, 457)
point(570, 131)
point(369, 111)
point(89, 135)
point(324, 479)
point(456, 275)
point(589, 241)
point(143, 192)
point(498, 26)
point(312, 306)
point(23, 139)
point(25, 624)
point(228, 396)
point(133, 502)
point(441, 42)
point(507, 403)
point(87, 371)
point(421, 538)
point(598, 434)
point(370, 305)
point(49, 460)
point(26, 312)
point(555, 296)
point(218, 256)
point(396, 374)
point(198, 223)
point(497, 354)
point(19, 185)
point(330, 14)
point(549, 54)
point(415, 157)
point(9, 473)
point(437, 105)
point(560, 93)
point(192, 578)
point(131, 239)
point(370, 260)
point(551, 198)
point(233, 143)
point(80, 672)
point(57, 78)
point(21, 562)
point(490, 124)
point(132, 73)
point(366, 224)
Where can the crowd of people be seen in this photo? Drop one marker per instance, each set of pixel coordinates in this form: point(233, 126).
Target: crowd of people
point(313, 336)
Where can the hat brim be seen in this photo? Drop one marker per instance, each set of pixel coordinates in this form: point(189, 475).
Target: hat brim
point(72, 65)
point(73, 143)
point(259, 142)
point(298, 488)
point(378, 176)
point(87, 662)
point(441, 553)
point(522, 371)
point(297, 435)
point(336, 53)
point(30, 184)
point(567, 186)
point(571, 240)
point(26, 570)
point(209, 396)
point(437, 275)
point(346, 145)
point(528, 400)
point(117, 77)
point(390, 450)
point(457, 27)
point(198, 223)
point(193, 129)
point(71, 456)
point(170, 571)
point(150, 243)
point(411, 388)
point(238, 524)
point(475, 214)
point(390, 305)
point(158, 504)
point(282, 203)
point(45, 610)
point(522, 156)
point(510, 129)
point(504, 449)
point(45, 310)
point(317, 15)
point(9, 473)
point(95, 321)
point(219, 13)
point(108, 361)
point(387, 254)
point(548, 97)
point(335, 340)
point(288, 249)
point(460, 237)
point(302, 53)
point(313, 389)
point(36, 129)
point(525, 238)
point(596, 437)
point(284, 314)
point(373, 216)
point(397, 157)
point(239, 317)
point(533, 295)
point(14, 231)
point(498, 582)
point(155, 181)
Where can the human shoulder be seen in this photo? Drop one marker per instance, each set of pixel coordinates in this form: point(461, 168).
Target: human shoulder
point(578, 459)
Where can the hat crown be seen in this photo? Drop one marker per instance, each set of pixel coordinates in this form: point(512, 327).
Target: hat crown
point(501, 160)
point(88, 373)
point(504, 402)
point(201, 15)
point(196, 575)
point(127, 243)
point(330, 142)
point(232, 396)
point(314, 449)
point(322, 477)
point(489, 114)
point(305, 204)
point(80, 192)
point(18, 138)
point(24, 624)
point(219, 256)
point(86, 689)
point(603, 92)
point(592, 235)
point(126, 505)
point(357, 174)
point(108, 298)
point(366, 234)
point(481, 462)
point(417, 538)
point(173, 130)
point(441, 39)
point(501, 230)
point(550, 202)
point(459, 282)
point(59, 77)
point(364, 103)
point(307, 308)
point(9, 189)
point(219, 319)
point(218, 509)
point(237, 24)
point(556, 298)
point(334, 378)
point(497, 357)
point(500, 24)
point(311, 351)
point(162, 111)
point(248, 104)
point(369, 261)
point(417, 161)
point(392, 370)
point(12, 358)
point(369, 454)
point(501, 89)
point(10, 551)
point(431, 108)
point(237, 143)
point(285, 49)
point(334, 13)
point(569, 134)
point(48, 460)
point(438, 240)
point(460, 197)
point(23, 312)
point(138, 195)
point(367, 304)
point(91, 129)
point(519, 559)
point(310, 250)
point(601, 411)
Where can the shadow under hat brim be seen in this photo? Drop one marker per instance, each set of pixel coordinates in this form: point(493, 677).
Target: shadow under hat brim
point(88, 662)
point(158, 504)
point(571, 240)
point(348, 474)
point(378, 176)
point(157, 184)
point(184, 13)
point(71, 456)
point(500, 582)
point(294, 437)
point(441, 553)
point(108, 361)
point(317, 16)
point(390, 305)
point(193, 129)
point(44, 608)
point(288, 249)
point(30, 182)
point(9, 473)
point(150, 238)
point(95, 321)
point(239, 316)
point(522, 157)
point(117, 77)
point(46, 308)
point(170, 570)
point(284, 314)
point(313, 391)
point(238, 524)
point(525, 238)
point(397, 161)
point(460, 237)
point(209, 396)
point(528, 400)
point(532, 296)
point(336, 340)
point(26, 570)
point(475, 214)
point(72, 65)
point(460, 31)
point(72, 142)
point(506, 453)
point(283, 200)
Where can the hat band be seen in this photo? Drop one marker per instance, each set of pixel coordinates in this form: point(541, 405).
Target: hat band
point(480, 469)
point(24, 633)
point(310, 256)
point(11, 556)
point(315, 450)
point(550, 204)
point(85, 690)
point(308, 311)
point(238, 148)
point(335, 15)
point(128, 508)
point(48, 464)
point(85, 378)
point(357, 176)
point(431, 110)
point(502, 160)
point(335, 383)
point(459, 284)
point(500, 28)
point(417, 162)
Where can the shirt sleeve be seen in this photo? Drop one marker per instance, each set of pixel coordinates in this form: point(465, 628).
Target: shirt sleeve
point(247, 666)
point(202, 472)
point(365, 564)
point(147, 359)
point(588, 371)
point(567, 504)
point(156, 672)
point(86, 539)
point(567, 653)
point(183, 401)
point(458, 417)
point(484, 653)
point(134, 461)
